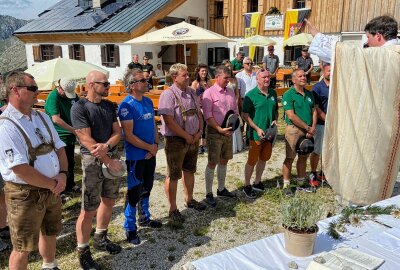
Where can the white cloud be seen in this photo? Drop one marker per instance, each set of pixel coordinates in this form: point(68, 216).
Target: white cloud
point(14, 4)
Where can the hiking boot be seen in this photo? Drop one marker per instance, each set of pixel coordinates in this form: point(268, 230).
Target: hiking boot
point(132, 237)
point(196, 205)
point(150, 223)
point(259, 187)
point(304, 185)
point(176, 216)
point(102, 242)
point(86, 261)
point(249, 192)
point(225, 193)
point(210, 200)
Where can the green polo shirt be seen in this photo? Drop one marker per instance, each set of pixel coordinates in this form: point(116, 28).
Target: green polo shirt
point(236, 65)
point(261, 109)
point(56, 104)
point(301, 105)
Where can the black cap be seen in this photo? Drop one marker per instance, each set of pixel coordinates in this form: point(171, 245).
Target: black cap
point(231, 120)
point(270, 133)
point(305, 145)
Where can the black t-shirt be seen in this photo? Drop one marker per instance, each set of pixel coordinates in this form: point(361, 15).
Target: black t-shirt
point(99, 117)
point(132, 65)
point(147, 68)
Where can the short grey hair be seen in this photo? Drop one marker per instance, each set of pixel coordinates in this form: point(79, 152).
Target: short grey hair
point(246, 59)
point(129, 76)
point(295, 72)
point(16, 78)
point(175, 68)
point(222, 69)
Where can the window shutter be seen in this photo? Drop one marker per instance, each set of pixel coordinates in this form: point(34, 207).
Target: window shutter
point(82, 52)
point(103, 55)
point(36, 54)
point(57, 51)
point(116, 55)
point(71, 51)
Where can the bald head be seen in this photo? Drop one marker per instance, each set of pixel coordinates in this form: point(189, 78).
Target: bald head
point(94, 76)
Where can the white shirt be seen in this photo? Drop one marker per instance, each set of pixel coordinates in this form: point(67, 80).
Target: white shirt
point(246, 82)
point(14, 150)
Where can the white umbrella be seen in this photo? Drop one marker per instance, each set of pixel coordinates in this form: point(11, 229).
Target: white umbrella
point(258, 40)
point(49, 72)
point(297, 40)
point(180, 33)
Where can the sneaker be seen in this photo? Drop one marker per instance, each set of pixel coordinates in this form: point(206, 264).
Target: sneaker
point(249, 192)
point(225, 193)
point(86, 261)
point(102, 242)
point(196, 205)
point(288, 192)
point(259, 187)
point(176, 216)
point(201, 150)
point(132, 237)
point(210, 200)
point(305, 186)
point(150, 223)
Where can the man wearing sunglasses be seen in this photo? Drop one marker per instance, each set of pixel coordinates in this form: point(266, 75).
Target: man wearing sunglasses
point(35, 171)
point(271, 63)
point(95, 122)
point(136, 113)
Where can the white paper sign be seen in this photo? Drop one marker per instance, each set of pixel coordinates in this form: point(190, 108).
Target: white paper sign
point(273, 22)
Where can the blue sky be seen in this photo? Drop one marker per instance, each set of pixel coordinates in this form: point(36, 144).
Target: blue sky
point(24, 9)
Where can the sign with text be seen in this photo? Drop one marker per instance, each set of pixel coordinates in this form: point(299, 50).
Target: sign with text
point(273, 22)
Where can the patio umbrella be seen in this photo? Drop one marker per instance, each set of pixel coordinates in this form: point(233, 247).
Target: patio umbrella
point(297, 40)
point(49, 72)
point(258, 40)
point(180, 33)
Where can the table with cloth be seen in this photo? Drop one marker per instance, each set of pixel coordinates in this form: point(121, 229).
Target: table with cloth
point(372, 238)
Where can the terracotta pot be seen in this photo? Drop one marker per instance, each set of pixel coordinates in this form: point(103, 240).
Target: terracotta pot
point(299, 244)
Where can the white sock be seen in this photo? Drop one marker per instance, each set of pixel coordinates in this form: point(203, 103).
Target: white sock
point(286, 183)
point(82, 246)
point(221, 175)
point(50, 265)
point(100, 231)
point(209, 177)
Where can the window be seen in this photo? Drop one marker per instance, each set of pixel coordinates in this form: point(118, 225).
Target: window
point(252, 5)
point(217, 55)
point(46, 52)
point(259, 55)
point(77, 52)
point(299, 4)
point(219, 9)
point(292, 53)
point(110, 55)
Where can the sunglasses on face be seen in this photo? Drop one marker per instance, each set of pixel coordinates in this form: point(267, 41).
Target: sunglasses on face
point(32, 88)
point(271, 50)
point(105, 84)
point(250, 63)
point(141, 80)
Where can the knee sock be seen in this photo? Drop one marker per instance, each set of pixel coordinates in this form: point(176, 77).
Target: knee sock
point(221, 175)
point(209, 176)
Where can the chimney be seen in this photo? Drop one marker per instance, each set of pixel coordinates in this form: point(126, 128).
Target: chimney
point(98, 3)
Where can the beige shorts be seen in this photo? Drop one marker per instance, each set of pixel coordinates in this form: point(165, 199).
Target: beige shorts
point(292, 135)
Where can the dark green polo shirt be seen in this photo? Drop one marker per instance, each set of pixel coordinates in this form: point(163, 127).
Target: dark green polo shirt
point(56, 104)
point(261, 109)
point(301, 105)
point(236, 65)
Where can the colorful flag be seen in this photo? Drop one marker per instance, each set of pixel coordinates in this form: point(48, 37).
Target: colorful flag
point(251, 26)
point(294, 19)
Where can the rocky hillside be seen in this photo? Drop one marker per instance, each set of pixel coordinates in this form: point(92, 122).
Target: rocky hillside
point(12, 51)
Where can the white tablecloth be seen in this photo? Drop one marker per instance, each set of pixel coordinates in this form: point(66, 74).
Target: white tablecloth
point(269, 253)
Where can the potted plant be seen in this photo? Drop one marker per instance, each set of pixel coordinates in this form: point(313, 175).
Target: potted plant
point(300, 215)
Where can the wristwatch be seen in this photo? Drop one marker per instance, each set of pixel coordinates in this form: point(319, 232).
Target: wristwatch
point(109, 146)
point(64, 172)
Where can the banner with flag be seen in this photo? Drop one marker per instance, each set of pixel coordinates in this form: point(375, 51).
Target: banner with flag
point(294, 19)
point(251, 27)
